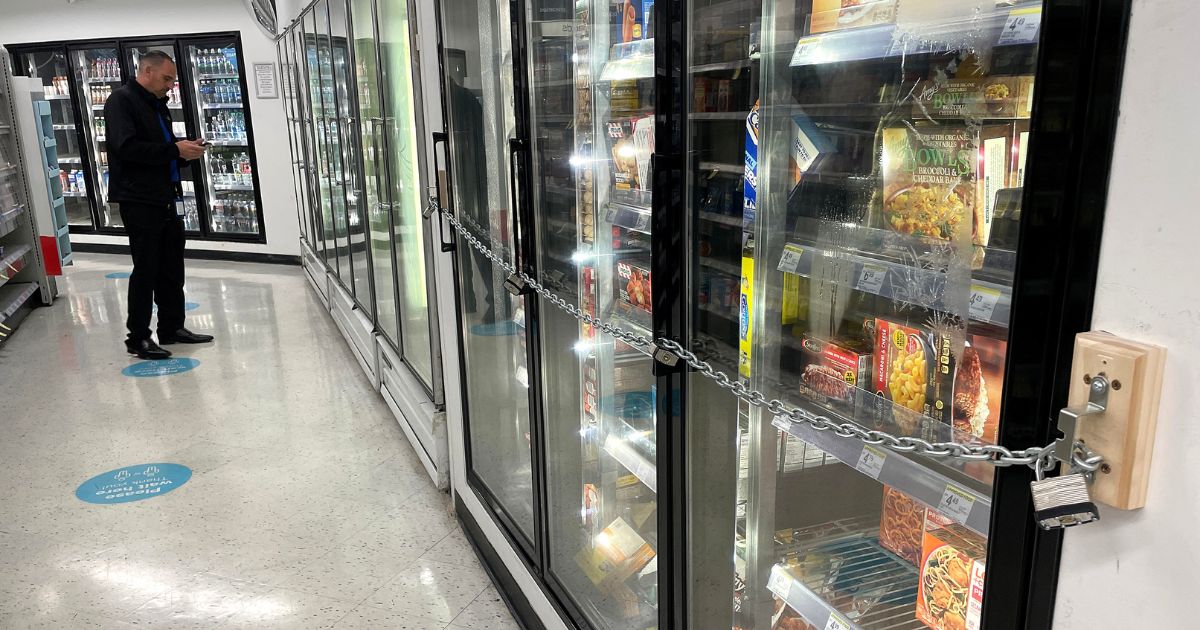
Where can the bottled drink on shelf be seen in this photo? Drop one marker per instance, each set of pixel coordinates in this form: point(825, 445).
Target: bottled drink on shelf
point(62, 179)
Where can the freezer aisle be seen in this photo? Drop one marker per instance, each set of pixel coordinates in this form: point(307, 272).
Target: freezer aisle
point(306, 508)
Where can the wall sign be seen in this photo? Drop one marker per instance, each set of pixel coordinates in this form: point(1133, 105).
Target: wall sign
point(133, 483)
point(145, 369)
point(265, 83)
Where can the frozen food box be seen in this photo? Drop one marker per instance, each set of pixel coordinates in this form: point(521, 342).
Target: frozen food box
point(631, 142)
point(978, 385)
point(995, 159)
point(929, 179)
point(832, 370)
point(914, 370)
point(902, 525)
point(950, 594)
point(983, 97)
point(1020, 149)
point(634, 285)
point(620, 544)
point(835, 15)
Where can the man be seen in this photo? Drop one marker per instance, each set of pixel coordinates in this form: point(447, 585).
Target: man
point(144, 162)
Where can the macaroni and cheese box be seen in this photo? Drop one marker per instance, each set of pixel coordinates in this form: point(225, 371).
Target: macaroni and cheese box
point(914, 369)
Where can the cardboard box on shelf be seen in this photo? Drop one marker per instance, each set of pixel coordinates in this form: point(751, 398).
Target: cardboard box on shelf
point(634, 286)
point(902, 525)
point(833, 370)
point(978, 385)
point(835, 15)
point(929, 179)
point(914, 369)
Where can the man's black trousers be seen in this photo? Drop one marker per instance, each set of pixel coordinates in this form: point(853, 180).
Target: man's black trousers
point(156, 243)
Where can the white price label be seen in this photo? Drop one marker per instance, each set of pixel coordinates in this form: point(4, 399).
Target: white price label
point(1022, 27)
point(956, 503)
point(805, 49)
point(983, 303)
point(782, 423)
point(872, 279)
point(779, 582)
point(836, 622)
point(870, 461)
point(790, 261)
point(642, 222)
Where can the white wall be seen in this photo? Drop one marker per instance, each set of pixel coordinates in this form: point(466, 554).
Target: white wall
point(1140, 569)
point(23, 21)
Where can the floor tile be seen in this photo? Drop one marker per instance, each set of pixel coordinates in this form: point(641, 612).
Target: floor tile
point(282, 608)
point(368, 618)
point(205, 601)
point(454, 549)
point(487, 612)
point(430, 589)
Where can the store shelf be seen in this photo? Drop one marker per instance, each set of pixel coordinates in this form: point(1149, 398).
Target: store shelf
point(13, 297)
point(889, 40)
point(221, 106)
point(634, 60)
point(729, 116)
point(63, 127)
point(233, 187)
point(722, 65)
point(206, 77)
point(737, 169)
point(8, 168)
point(725, 219)
point(97, 106)
point(721, 266)
point(964, 503)
point(913, 284)
point(865, 572)
point(10, 219)
point(13, 263)
point(103, 81)
point(70, 159)
point(629, 217)
point(633, 461)
point(58, 97)
point(229, 143)
point(68, 193)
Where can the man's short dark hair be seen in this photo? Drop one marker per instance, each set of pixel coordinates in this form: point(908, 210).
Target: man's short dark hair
point(153, 58)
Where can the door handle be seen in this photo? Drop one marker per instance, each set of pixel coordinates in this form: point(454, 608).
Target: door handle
point(515, 146)
point(435, 200)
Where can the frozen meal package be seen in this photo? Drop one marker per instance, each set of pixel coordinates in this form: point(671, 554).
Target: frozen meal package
point(929, 179)
point(995, 159)
point(808, 145)
point(902, 525)
point(634, 284)
point(620, 544)
point(913, 370)
point(978, 385)
point(976, 97)
point(952, 570)
point(835, 15)
point(833, 370)
point(1020, 146)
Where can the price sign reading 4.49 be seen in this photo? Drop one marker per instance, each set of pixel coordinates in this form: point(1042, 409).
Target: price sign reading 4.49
point(837, 623)
point(956, 503)
point(1022, 26)
point(870, 461)
point(983, 302)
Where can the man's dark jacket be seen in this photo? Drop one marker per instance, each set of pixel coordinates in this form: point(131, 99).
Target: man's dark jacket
point(139, 155)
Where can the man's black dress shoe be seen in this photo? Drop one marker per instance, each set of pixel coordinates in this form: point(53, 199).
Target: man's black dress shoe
point(183, 335)
point(146, 349)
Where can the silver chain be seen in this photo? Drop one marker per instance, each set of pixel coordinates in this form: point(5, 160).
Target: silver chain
point(1082, 459)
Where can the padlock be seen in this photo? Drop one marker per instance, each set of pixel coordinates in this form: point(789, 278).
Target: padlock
point(516, 285)
point(1063, 501)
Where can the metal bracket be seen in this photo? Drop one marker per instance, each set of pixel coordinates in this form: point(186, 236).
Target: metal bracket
point(1069, 417)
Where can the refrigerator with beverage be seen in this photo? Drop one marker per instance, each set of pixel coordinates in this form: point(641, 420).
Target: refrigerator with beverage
point(218, 196)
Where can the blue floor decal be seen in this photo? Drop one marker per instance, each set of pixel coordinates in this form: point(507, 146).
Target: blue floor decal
point(144, 369)
point(187, 306)
point(133, 483)
point(117, 274)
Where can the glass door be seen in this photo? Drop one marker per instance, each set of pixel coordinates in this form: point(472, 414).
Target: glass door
point(351, 155)
point(372, 128)
point(336, 173)
point(290, 86)
point(52, 68)
point(179, 126)
point(407, 192)
point(592, 107)
point(887, 159)
point(318, 152)
point(96, 72)
point(478, 95)
point(227, 171)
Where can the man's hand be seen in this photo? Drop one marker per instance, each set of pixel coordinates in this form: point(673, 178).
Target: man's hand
point(190, 149)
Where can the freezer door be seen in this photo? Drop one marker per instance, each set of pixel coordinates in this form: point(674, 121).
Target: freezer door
point(478, 84)
point(855, 203)
point(96, 72)
point(51, 67)
point(592, 106)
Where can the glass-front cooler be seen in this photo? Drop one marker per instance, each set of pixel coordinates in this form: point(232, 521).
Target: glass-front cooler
point(187, 181)
point(319, 94)
point(96, 72)
point(884, 157)
point(226, 172)
point(591, 116)
point(52, 68)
